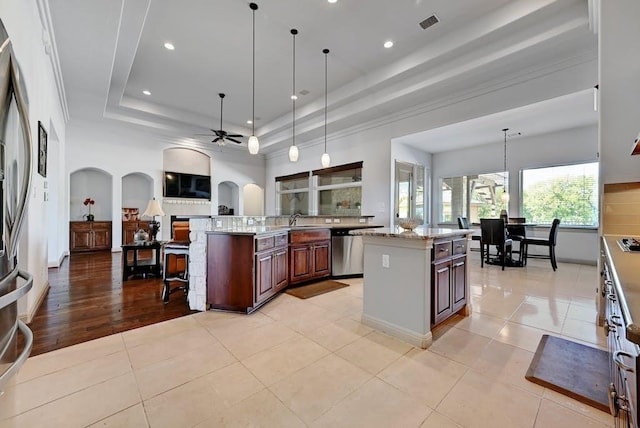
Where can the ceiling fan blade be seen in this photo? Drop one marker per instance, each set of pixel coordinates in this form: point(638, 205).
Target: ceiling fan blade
point(235, 141)
point(235, 135)
point(216, 140)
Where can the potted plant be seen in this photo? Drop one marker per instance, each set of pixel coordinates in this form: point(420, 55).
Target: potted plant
point(88, 202)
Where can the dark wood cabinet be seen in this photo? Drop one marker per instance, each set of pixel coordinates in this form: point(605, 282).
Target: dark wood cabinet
point(449, 278)
point(89, 236)
point(245, 270)
point(129, 229)
point(309, 255)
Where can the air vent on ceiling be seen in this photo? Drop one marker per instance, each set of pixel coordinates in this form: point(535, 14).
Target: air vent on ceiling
point(429, 22)
point(304, 92)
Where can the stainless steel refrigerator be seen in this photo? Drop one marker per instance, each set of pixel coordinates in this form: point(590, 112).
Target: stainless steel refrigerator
point(15, 181)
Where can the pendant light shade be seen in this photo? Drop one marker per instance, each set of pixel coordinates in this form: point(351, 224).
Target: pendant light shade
point(325, 160)
point(505, 195)
point(253, 143)
point(293, 150)
point(293, 153)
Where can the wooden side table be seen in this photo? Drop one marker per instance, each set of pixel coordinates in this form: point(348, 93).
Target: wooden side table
point(144, 267)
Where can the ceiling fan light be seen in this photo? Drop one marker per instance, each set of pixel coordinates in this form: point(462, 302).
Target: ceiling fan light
point(325, 160)
point(293, 153)
point(254, 145)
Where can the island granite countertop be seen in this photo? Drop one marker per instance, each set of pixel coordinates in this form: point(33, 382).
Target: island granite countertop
point(264, 230)
point(418, 233)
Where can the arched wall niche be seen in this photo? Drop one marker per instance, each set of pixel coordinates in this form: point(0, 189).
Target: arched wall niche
point(93, 183)
point(253, 197)
point(186, 160)
point(137, 190)
point(228, 198)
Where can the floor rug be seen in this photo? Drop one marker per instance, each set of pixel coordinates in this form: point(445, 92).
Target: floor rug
point(578, 371)
point(315, 289)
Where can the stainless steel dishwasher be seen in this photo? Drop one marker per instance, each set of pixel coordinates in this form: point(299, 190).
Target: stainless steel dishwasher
point(347, 253)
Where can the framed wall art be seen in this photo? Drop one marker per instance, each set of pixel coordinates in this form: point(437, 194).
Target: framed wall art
point(42, 150)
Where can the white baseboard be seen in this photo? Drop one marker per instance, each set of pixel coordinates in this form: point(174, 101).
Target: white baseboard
point(414, 338)
point(31, 313)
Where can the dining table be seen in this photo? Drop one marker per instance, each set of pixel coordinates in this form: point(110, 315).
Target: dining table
point(512, 228)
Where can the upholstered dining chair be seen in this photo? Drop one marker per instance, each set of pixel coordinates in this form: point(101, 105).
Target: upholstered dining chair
point(550, 243)
point(516, 232)
point(463, 223)
point(493, 232)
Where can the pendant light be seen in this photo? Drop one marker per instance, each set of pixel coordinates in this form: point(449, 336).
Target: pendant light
point(325, 159)
point(505, 195)
point(253, 143)
point(293, 150)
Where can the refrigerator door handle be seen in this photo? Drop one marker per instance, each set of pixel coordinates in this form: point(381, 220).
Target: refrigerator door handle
point(26, 332)
point(13, 296)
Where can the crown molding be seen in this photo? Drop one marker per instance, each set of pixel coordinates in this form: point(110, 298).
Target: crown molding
point(51, 49)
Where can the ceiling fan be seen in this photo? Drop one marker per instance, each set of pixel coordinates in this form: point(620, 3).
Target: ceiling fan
point(221, 136)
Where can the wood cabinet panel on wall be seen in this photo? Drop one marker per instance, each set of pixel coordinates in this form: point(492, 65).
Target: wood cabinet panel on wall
point(89, 236)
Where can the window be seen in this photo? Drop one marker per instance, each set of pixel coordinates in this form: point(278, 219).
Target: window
point(568, 192)
point(293, 194)
point(409, 191)
point(473, 196)
point(340, 189)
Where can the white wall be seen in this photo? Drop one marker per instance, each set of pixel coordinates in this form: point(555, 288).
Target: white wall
point(565, 147)
point(120, 149)
point(253, 200)
point(22, 21)
point(619, 80)
point(137, 191)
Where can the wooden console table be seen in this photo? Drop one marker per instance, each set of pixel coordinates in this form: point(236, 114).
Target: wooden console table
point(151, 266)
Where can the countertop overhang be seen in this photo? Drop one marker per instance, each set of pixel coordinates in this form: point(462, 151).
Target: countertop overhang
point(263, 230)
point(421, 233)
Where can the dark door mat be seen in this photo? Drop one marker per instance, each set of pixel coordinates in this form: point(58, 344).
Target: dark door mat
point(315, 289)
point(578, 371)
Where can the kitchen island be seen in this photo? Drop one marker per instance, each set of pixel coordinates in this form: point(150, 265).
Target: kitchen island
point(414, 281)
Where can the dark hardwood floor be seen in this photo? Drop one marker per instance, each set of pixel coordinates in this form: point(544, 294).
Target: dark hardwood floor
point(88, 300)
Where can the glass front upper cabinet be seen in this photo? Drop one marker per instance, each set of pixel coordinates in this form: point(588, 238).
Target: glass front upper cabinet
point(293, 194)
point(339, 189)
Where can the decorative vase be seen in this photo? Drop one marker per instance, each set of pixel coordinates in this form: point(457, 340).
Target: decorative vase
point(141, 236)
point(89, 217)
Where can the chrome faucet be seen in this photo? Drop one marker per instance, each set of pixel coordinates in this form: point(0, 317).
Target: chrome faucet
point(293, 218)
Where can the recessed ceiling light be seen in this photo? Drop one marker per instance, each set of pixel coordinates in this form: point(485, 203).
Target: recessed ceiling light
point(146, 92)
point(388, 44)
point(249, 122)
point(169, 46)
point(332, 1)
point(294, 97)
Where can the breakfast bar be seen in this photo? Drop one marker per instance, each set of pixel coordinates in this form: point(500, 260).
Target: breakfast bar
point(414, 280)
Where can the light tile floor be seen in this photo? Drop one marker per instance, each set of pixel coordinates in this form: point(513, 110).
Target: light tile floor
point(312, 363)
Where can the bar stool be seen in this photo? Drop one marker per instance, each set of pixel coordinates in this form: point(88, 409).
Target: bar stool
point(178, 250)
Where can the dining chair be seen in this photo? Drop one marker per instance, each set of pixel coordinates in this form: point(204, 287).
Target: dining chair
point(463, 223)
point(493, 232)
point(550, 243)
point(517, 233)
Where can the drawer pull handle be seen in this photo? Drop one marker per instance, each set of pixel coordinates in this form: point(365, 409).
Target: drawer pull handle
point(444, 250)
point(608, 327)
point(617, 358)
point(615, 320)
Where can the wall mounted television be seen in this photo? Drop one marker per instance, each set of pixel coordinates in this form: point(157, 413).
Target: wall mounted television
point(182, 185)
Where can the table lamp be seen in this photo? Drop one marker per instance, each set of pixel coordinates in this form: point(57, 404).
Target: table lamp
point(153, 209)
